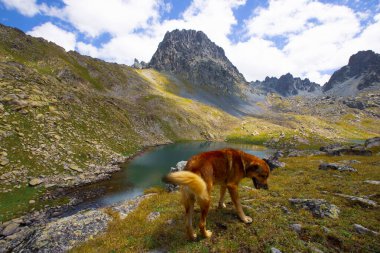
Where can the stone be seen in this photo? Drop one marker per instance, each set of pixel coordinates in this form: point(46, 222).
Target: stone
point(318, 207)
point(372, 182)
point(179, 167)
point(358, 200)
point(338, 150)
point(35, 181)
point(296, 227)
point(75, 167)
point(336, 166)
point(373, 142)
point(153, 215)
point(363, 230)
point(32, 202)
point(273, 161)
point(4, 161)
point(275, 250)
point(10, 229)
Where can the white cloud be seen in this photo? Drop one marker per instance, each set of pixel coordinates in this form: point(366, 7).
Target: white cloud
point(117, 17)
point(320, 38)
point(317, 38)
point(53, 33)
point(25, 7)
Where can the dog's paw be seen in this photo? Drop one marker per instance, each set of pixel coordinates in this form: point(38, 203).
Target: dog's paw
point(221, 205)
point(207, 234)
point(192, 236)
point(247, 219)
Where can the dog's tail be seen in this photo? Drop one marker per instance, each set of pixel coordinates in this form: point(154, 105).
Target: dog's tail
point(192, 181)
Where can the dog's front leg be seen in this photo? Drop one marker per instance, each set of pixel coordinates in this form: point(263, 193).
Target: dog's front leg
point(233, 190)
point(221, 199)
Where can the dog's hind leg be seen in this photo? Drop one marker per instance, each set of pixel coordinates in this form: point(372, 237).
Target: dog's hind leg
point(221, 199)
point(205, 205)
point(188, 200)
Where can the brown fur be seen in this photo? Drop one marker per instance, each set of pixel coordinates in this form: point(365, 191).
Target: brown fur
point(226, 167)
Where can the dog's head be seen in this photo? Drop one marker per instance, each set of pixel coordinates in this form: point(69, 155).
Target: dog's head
point(258, 170)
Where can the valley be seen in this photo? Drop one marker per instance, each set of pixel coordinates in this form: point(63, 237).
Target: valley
point(68, 120)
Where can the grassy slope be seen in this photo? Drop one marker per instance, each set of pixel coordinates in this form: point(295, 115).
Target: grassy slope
point(271, 226)
point(102, 109)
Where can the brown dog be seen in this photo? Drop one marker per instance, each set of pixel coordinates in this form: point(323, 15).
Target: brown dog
point(226, 167)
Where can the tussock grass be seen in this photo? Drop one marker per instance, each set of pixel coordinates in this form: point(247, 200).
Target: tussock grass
point(271, 225)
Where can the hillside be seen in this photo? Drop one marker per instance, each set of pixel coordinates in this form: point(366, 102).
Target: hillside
point(68, 120)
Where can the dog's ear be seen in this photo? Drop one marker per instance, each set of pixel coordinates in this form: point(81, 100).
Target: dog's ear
point(254, 167)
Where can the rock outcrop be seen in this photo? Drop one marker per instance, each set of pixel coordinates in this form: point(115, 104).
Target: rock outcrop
point(286, 86)
point(193, 57)
point(362, 72)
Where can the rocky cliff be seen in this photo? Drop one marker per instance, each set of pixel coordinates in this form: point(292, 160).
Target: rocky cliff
point(362, 72)
point(193, 57)
point(286, 85)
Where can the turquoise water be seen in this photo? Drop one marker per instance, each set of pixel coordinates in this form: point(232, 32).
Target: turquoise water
point(147, 169)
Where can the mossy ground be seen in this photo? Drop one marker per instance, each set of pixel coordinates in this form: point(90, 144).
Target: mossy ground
point(301, 178)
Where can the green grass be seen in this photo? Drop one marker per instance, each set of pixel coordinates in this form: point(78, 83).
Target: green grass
point(271, 226)
point(16, 203)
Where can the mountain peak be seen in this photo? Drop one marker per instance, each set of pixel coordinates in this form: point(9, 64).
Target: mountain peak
point(192, 56)
point(362, 71)
point(287, 85)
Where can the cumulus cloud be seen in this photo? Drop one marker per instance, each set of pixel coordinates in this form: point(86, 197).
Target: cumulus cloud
point(307, 38)
point(117, 17)
point(26, 7)
point(53, 33)
point(319, 37)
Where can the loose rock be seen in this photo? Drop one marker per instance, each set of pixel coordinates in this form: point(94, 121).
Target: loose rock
point(153, 215)
point(335, 166)
point(35, 182)
point(319, 207)
point(179, 167)
point(361, 201)
point(10, 229)
point(363, 230)
point(296, 227)
point(372, 182)
point(275, 250)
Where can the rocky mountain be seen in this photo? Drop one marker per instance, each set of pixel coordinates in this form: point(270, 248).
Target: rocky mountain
point(362, 72)
point(193, 57)
point(286, 86)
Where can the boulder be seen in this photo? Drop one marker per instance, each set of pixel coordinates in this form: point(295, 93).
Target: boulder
point(338, 150)
point(35, 182)
point(363, 230)
point(319, 207)
point(275, 250)
point(10, 229)
point(273, 161)
point(355, 104)
point(296, 227)
point(179, 167)
point(372, 182)
point(373, 142)
point(336, 166)
point(358, 200)
point(153, 215)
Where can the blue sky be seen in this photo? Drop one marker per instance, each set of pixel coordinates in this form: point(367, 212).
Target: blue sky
point(308, 38)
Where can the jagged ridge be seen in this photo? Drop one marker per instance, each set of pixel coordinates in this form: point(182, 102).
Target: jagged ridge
point(286, 85)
